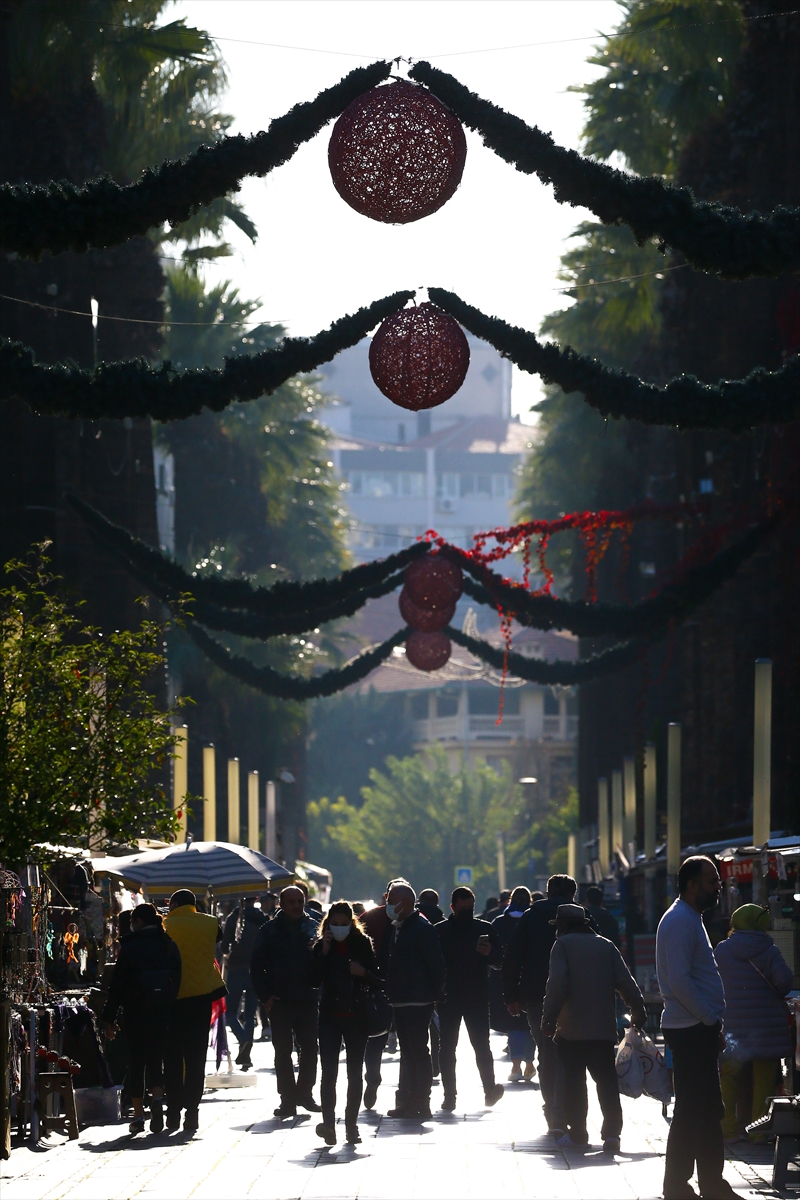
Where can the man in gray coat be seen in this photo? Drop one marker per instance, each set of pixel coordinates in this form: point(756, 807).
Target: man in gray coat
point(586, 972)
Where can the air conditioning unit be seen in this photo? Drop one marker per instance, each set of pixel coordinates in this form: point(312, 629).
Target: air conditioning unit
point(447, 504)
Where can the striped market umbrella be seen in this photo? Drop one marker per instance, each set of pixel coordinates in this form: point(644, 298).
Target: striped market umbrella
point(224, 867)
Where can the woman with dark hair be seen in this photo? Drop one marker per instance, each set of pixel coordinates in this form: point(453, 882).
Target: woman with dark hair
point(144, 984)
point(343, 966)
point(521, 1046)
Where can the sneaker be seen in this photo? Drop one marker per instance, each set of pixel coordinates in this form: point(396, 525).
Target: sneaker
point(448, 1104)
point(679, 1191)
point(611, 1146)
point(352, 1136)
point(327, 1133)
point(567, 1142)
point(309, 1104)
point(136, 1125)
point(285, 1110)
point(515, 1076)
point(403, 1114)
point(156, 1116)
point(530, 1071)
point(173, 1119)
point(370, 1096)
point(494, 1094)
point(556, 1133)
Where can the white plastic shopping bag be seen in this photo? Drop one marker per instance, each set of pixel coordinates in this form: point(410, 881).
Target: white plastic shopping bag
point(655, 1075)
point(630, 1075)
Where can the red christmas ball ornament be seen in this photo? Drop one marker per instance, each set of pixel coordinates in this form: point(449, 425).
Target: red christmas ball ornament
point(425, 619)
point(397, 153)
point(41, 1052)
point(428, 651)
point(64, 1064)
point(52, 1056)
point(433, 582)
point(419, 357)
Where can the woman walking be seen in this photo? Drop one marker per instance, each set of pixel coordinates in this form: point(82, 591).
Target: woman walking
point(343, 967)
point(756, 979)
point(521, 1047)
point(144, 984)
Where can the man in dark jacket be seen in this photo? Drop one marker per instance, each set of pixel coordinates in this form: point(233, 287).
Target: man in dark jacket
point(238, 942)
point(428, 905)
point(281, 974)
point(604, 921)
point(414, 981)
point(468, 949)
point(378, 926)
point(526, 965)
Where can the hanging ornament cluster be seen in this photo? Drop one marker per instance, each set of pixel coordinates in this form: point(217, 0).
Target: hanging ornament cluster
point(428, 600)
point(419, 357)
point(397, 153)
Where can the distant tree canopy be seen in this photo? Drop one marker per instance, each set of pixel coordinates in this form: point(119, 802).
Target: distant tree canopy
point(668, 69)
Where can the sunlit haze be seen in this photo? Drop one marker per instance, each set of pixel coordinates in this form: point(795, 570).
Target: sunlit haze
point(496, 243)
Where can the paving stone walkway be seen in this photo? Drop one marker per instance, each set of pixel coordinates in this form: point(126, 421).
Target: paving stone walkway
point(242, 1150)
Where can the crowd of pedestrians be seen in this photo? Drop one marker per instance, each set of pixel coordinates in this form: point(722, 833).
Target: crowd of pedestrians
point(542, 969)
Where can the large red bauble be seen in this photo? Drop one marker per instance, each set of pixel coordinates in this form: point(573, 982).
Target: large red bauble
point(433, 582)
point(419, 357)
point(425, 619)
point(428, 651)
point(396, 153)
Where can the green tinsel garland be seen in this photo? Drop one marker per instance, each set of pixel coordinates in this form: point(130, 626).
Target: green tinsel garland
point(548, 674)
point(133, 388)
point(711, 236)
point(285, 601)
point(294, 687)
point(763, 397)
point(649, 617)
point(60, 216)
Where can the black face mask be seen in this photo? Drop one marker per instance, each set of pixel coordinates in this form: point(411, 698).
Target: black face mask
point(465, 915)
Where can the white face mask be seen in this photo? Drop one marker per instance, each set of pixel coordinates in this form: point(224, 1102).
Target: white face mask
point(340, 932)
point(392, 911)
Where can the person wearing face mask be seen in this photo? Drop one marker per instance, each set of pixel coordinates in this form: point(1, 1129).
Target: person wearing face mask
point(343, 965)
point(469, 948)
point(414, 982)
point(379, 928)
point(521, 1046)
point(281, 973)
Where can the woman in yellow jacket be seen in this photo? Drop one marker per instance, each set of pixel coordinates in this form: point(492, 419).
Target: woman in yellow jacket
point(195, 935)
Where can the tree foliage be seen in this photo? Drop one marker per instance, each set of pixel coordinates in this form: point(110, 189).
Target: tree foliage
point(84, 747)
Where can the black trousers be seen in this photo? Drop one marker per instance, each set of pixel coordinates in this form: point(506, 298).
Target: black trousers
point(289, 1022)
point(146, 1035)
point(415, 1061)
point(332, 1032)
point(476, 1018)
point(373, 1056)
point(598, 1058)
point(185, 1052)
point(695, 1135)
point(551, 1072)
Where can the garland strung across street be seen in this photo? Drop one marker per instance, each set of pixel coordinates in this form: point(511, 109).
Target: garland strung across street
point(377, 138)
point(58, 216)
point(711, 236)
point(763, 397)
point(132, 388)
point(432, 582)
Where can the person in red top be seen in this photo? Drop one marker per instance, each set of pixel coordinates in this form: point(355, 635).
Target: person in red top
point(343, 965)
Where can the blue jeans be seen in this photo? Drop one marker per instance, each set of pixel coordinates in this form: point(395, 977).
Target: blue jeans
point(239, 984)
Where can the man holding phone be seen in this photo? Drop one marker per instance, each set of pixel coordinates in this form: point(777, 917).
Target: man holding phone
point(469, 949)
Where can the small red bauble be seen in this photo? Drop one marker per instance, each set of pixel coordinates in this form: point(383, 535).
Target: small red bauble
point(396, 153)
point(428, 651)
point(419, 357)
point(425, 619)
point(433, 582)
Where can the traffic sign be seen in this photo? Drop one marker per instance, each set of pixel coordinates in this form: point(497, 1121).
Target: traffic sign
point(463, 876)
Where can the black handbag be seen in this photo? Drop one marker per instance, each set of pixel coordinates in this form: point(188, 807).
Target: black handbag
point(376, 1010)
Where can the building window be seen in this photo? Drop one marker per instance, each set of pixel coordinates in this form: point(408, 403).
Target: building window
point(447, 704)
point(447, 485)
point(382, 484)
point(451, 485)
point(551, 705)
point(419, 706)
point(485, 702)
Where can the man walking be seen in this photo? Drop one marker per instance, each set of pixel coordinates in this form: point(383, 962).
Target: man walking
point(468, 950)
point(526, 965)
point(281, 972)
point(380, 929)
point(195, 935)
point(604, 922)
point(694, 1005)
point(586, 972)
point(238, 942)
point(415, 977)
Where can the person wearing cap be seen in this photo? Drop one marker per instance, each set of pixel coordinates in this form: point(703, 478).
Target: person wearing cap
point(196, 935)
point(586, 972)
point(756, 979)
point(694, 1006)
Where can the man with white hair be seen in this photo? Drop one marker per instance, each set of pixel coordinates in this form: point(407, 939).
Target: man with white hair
point(414, 982)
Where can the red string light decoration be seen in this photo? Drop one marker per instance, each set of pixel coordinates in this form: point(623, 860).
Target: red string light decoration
point(428, 651)
point(424, 619)
point(419, 357)
point(397, 153)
